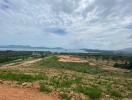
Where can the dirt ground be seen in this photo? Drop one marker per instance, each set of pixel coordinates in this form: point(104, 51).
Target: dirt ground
point(70, 58)
point(14, 93)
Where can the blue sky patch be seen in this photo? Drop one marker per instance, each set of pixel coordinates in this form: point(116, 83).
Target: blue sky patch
point(57, 31)
point(129, 26)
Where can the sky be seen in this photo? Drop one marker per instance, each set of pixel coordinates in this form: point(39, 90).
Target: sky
point(93, 24)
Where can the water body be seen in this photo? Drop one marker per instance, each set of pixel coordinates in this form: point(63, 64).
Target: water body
point(51, 50)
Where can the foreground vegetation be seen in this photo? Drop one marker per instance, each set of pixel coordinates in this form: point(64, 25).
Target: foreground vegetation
point(71, 80)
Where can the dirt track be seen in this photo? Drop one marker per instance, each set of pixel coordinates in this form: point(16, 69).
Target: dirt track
point(24, 63)
point(13, 93)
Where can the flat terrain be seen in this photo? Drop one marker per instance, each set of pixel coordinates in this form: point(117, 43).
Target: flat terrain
point(64, 77)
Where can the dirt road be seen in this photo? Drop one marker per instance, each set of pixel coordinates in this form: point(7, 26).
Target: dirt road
point(13, 93)
point(23, 63)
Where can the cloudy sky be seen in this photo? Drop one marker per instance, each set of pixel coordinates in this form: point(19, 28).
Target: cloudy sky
point(94, 24)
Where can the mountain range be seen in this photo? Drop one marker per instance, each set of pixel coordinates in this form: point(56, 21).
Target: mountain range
point(126, 50)
point(27, 46)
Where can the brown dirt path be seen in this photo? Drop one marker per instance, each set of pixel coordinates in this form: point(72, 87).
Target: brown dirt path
point(23, 63)
point(14, 93)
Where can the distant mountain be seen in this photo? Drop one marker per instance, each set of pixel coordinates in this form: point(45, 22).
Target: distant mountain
point(96, 50)
point(15, 46)
point(122, 51)
point(27, 46)
point(126, 50)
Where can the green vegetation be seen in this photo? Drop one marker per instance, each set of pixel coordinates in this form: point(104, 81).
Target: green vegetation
point(115, 93)
point(21, 77)
point(79, 67)
point(63, 81)
point(126, 65)
point(44, 88)
point(92, 92)
point(8, 56)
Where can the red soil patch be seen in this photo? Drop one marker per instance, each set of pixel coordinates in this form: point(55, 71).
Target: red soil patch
point(15, 93)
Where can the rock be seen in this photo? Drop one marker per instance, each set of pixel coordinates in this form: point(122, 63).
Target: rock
point(107, 95)
point(24, 84)
point(27, 85)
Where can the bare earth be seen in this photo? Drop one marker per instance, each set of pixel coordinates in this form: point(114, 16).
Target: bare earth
point(70, 58)
point(14, 93)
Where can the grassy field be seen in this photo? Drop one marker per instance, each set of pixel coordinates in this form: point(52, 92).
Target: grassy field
point(73, 81)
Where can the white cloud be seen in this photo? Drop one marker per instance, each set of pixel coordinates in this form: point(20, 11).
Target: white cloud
point(100, 24)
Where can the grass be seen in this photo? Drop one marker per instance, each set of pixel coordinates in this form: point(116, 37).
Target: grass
point(63, 81)
point(21, 77)
point(44, 88)
point(79, 67)
point(92, 92)
point(113, 92)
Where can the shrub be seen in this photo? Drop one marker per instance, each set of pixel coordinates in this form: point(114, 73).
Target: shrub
point(92, 92)
point(116, 93)
point(44, 88)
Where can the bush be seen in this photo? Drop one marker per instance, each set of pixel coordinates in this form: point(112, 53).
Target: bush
point(115, 93)
point(124, 66)
point(44, 88)
point(92, 92)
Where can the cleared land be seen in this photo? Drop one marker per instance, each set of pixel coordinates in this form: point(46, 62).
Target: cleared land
point(69, 78)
